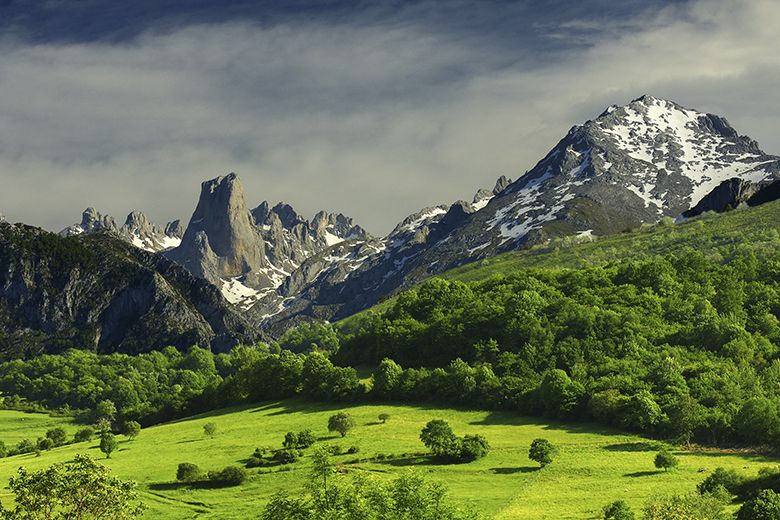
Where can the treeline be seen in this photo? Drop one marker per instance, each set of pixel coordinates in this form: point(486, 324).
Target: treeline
point(681, 347)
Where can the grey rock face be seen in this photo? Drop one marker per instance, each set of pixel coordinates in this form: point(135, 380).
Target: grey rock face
point(734, 192)
point(221, 240)
point(96, 291)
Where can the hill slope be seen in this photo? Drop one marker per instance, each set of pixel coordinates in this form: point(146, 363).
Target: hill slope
point(99, 292)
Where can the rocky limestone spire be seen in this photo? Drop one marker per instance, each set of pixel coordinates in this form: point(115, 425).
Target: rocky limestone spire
point(221, 240)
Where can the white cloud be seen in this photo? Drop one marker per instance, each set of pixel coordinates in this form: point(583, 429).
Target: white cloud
point(373, 121)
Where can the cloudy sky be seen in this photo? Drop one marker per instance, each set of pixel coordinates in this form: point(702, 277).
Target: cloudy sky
point(373, 108)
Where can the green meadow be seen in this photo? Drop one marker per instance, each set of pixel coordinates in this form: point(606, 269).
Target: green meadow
point(594, 466)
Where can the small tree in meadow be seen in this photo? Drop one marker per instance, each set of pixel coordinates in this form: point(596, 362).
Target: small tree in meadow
point(108, 444)
point(306, 439)
point(438, 437)
point(131, 429)
point(542, 451)
point(384, 417)
point(665, 460)
point(210, 429)
point(341, 422)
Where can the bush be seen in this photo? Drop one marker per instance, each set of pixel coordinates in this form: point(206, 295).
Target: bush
point(665, 460)
point(729, 479)
point(230, 476)
point(618, 510)
point(44, 444)
point(473, 447)
point(290, 441)
point(353, 449)
point(210, 429)
point(188, 472)
point(335, 450)
point(542, 451)
point(306, 439)
point(765, 506)
point(25, 446)
point(384, 417)
point(57, 435)
point(84, 434)
point(286, 456)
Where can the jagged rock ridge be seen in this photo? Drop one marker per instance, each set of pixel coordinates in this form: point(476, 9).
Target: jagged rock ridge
point(137, 229)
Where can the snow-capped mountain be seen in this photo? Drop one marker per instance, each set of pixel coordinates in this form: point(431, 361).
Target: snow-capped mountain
point(137, 229)
point(631, 165)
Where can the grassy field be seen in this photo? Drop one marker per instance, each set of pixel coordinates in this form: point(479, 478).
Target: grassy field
point(594, 467)
point(16, 426)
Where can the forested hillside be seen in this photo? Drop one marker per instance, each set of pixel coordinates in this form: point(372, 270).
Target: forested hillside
point(679, 345)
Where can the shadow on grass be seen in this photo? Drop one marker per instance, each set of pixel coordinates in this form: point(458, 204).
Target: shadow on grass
point(173, 486)
point(643, 473)
point(415, 460)
point(635, 446)
point(512, 471)
point(374, 423)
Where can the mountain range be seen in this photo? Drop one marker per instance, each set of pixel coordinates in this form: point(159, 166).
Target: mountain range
point(631, 165)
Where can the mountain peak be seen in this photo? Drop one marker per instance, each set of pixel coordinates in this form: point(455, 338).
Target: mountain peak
point(221, 240)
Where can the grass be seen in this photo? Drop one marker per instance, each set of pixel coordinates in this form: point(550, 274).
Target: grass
point(16, 426)
point(595, 465)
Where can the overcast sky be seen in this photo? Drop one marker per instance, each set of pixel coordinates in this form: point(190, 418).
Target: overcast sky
point(373, 109)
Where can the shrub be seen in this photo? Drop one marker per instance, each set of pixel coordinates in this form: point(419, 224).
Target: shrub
point(210, 429)
point(44, 444)
point(542, 451)
point(353, 449)
point(618, 510)
point(473, 447)
point(384, 417)
point(727, 478)
point(188, 472)
point(84, 434)
point(286, 456)
point(665, 460)
point(25, 446)
point(57, 435)
point(306, 439)
point(335, 450)
point(290, 441)
point(229, 476)
point(692, 507)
